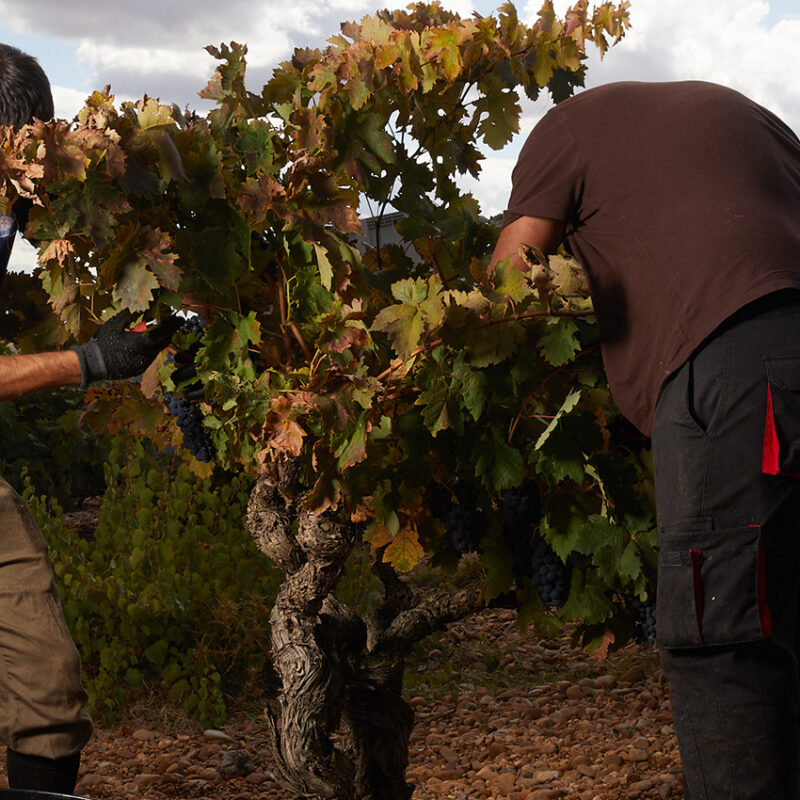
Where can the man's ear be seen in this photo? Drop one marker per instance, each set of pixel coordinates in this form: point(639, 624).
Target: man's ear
point(21, 210)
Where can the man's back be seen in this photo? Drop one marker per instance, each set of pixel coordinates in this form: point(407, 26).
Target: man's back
point(681, 200)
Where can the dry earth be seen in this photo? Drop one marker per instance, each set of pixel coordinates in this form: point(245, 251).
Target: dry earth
point(501, 715)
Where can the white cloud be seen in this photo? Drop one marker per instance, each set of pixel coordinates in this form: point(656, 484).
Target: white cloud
point(23, 256)
point(68, 102)
point(492, 186)
point(143, 60)
point(157, 47)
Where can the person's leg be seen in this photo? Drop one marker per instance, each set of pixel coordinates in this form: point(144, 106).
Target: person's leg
point(735, 710)
point(41, 697)
point(729, 557)
point(57, 775)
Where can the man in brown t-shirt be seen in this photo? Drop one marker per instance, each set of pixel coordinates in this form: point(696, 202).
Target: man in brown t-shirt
point(682, 203)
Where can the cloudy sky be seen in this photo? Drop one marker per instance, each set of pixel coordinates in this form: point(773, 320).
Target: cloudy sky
point(156, 47)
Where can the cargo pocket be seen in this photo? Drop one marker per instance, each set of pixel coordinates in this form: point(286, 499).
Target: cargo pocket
point(781, 450)
point(711, 587)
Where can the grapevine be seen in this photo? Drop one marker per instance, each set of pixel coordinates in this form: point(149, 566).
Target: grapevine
point(375, 371)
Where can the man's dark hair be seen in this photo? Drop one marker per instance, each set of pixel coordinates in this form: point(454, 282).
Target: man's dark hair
point(24, 89)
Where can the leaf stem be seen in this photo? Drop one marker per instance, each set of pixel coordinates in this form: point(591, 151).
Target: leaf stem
point(301, 341)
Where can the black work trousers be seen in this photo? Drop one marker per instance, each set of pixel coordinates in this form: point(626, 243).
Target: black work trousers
point(726, 446)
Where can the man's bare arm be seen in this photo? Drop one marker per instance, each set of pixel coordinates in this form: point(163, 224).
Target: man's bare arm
point(21, 375)
point(541, 232)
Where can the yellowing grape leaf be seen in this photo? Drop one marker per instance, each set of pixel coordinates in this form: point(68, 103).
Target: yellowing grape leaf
point(405, 551)
point(324, 265)
point(150, 114)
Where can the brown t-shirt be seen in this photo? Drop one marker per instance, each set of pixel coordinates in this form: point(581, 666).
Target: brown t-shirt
point(681, 202)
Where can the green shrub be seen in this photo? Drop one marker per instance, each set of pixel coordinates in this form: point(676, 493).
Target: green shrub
point(41, 434)
point(170, 590)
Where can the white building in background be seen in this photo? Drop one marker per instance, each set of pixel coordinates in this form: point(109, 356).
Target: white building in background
point(381, 230)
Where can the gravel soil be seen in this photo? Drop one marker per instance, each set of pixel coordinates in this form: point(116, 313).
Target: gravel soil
point(500, 715)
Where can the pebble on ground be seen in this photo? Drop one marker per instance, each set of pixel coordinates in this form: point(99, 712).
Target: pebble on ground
point(599, 737)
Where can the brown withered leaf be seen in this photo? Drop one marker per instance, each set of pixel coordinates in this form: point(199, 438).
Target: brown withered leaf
point(115, 161)
point(155, 253)
point(58, 250)
point(258, 194)
point(213, 89)
point(350, 338)
point(281, 432)
point(605, 643)
point(68, 295)
point(150, 380)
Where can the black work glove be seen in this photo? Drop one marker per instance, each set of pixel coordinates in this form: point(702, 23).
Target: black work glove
point(114, 352)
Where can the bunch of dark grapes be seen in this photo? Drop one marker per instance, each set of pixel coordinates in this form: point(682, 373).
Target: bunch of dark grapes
point(533, 559)
point(190, 420)
point(521, 510)
point(644, 620)
point(549, 573)
point(185, 410)
point(522, 505)
point(194, 324)
point(459, 515)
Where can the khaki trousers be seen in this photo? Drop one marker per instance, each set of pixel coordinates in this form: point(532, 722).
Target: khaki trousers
point(41, 695)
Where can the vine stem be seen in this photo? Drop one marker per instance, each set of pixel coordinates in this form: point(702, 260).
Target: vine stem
point(399, 362)
point(538, 388)
point(534, 315)
point(514, 318)
point(287, 344)
point(301, 341)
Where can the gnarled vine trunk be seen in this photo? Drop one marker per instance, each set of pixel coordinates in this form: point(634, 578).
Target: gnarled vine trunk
point(344, 728)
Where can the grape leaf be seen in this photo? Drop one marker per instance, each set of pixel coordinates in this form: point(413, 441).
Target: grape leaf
point(404, 552)
point(570, 401)
point(560, 345)
point(499, 465)
point(587, 599)
point(135, 287)
point(325, 267)
point(354, 448)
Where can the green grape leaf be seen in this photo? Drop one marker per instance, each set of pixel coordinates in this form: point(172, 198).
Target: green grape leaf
point(499, 465)
point(560, 344)
point(569, 404)
point(587, 599)
point(325, 267)
point(499, 573)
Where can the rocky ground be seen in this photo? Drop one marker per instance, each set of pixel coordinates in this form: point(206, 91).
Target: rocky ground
point(500, 715)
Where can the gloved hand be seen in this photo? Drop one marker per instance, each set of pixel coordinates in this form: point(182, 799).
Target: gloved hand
point(114, 352)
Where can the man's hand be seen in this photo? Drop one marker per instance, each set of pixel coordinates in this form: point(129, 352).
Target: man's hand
point(115, 352)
